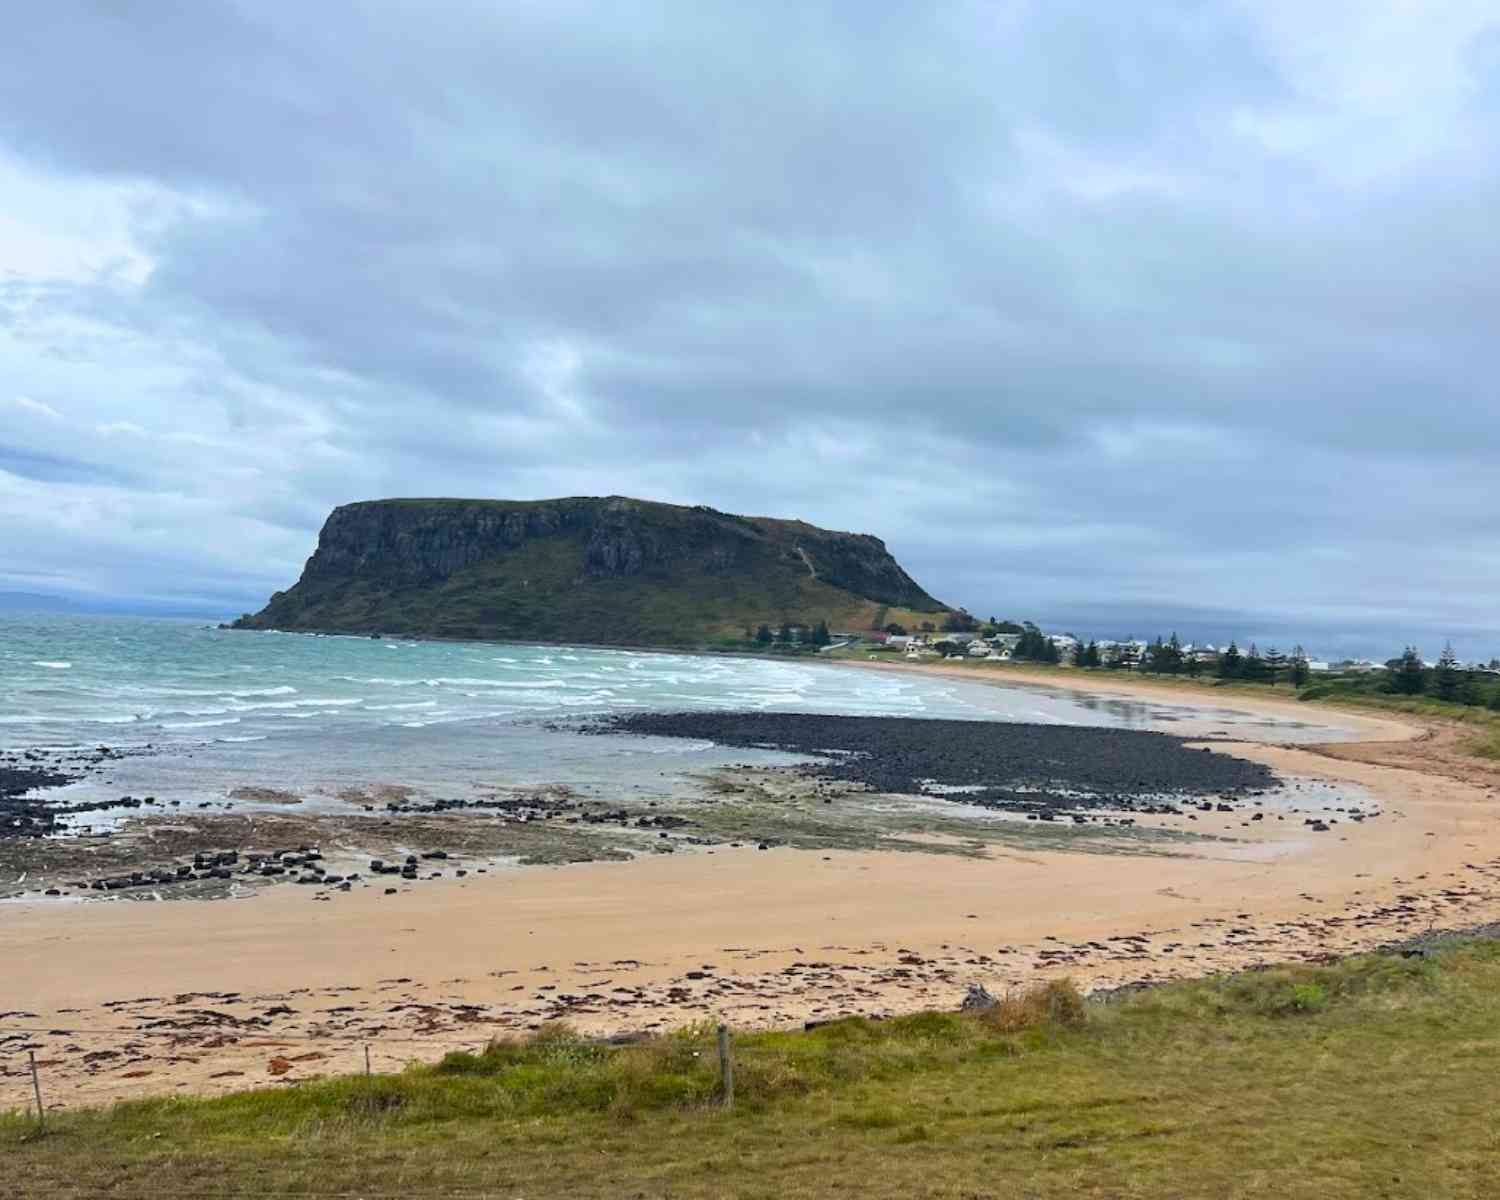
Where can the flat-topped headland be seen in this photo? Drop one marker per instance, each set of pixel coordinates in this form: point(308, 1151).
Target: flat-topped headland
point(600, 570)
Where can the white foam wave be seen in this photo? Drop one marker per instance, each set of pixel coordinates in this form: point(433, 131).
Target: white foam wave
point(199, 724)
point(51, 665)
point(497, 684)
point(236, 693)
point(252, 737)
point(304, 703)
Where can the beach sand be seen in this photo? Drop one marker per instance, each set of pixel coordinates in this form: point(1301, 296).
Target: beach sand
point(130, 999)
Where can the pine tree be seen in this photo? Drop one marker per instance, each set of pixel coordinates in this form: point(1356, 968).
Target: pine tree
point(820, 635)
point(1081, 654)
point(1275, 664)
point(1230, 663)
point(1468, 690)
point(1298, 666)
point(1407, 678)
point(1193, 665)
point(1151, 658)
point(1096, 657)
point(1254, 668)
point(763, 635)
point(1446, 679)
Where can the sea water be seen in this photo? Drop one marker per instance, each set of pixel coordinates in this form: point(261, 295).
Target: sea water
point(222, 707)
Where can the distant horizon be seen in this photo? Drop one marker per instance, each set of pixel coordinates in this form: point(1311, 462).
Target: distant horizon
point(1328, 647)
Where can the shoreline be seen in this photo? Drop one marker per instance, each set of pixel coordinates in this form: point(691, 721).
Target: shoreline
point(193, 998)
point(1391, 727)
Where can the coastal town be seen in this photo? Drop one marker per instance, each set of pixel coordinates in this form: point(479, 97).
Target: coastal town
point(1027, 642)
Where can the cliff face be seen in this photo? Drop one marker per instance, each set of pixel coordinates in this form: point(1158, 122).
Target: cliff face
point(555, 568)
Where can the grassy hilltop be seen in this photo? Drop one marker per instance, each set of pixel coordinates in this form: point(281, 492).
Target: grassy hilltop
point(1371, 1077)
point(605, 571)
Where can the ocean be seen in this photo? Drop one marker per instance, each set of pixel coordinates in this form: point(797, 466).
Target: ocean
point(213, 709)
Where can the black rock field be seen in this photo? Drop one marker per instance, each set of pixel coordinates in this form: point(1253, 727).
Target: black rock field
point(1024, 768)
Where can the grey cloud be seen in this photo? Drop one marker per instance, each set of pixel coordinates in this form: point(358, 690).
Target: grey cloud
point(1074, 305)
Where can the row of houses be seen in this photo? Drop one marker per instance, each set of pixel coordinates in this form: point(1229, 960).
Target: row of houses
point(1001, 646)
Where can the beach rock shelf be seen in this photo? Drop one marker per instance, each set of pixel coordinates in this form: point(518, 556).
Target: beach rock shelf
point(1043, 771)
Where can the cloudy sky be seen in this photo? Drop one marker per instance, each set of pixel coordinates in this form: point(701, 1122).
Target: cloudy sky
point(1122, 317)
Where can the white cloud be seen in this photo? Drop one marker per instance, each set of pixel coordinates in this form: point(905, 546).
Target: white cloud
point(36, 407)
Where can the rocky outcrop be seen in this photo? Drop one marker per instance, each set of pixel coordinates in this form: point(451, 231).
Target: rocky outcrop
point(380, 565)
point(401, 541)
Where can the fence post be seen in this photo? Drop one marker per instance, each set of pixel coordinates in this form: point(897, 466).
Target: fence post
point(726, 1067)
point(36, 1087)
point(367, 1058)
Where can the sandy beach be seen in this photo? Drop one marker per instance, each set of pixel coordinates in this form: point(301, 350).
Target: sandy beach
point(128, 999)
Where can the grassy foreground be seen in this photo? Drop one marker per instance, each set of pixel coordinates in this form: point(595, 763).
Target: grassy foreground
point(1378, 1076)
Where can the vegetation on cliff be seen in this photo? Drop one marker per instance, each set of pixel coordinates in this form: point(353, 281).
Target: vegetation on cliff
point(595, 570)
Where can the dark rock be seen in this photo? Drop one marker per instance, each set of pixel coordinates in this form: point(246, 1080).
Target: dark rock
point(976, 999)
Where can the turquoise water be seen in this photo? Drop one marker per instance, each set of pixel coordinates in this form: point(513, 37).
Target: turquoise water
point(221, 710)
point(129, 681)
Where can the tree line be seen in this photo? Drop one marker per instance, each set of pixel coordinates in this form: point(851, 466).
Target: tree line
point(1168, 656)
point(790, 635)
point(1408, 675)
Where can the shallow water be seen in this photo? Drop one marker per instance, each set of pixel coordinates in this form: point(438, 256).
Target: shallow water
point(315, 714)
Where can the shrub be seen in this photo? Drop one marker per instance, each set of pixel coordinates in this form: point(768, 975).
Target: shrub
point(1056, 1002)
point(1307, 997)
point(374, 1097)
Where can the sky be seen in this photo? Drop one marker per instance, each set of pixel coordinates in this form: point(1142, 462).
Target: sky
point(1124, 318)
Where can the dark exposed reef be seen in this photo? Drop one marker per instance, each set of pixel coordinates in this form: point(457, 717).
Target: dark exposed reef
point(26, 774)
point(1034, 769)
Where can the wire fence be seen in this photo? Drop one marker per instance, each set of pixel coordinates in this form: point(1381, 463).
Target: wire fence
point(251, 1039)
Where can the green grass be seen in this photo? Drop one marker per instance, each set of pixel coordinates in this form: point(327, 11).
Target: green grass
point(1371, 1077)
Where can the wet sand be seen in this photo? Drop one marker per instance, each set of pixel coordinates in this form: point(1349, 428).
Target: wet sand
point(184, 997)
point(1117, 685)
